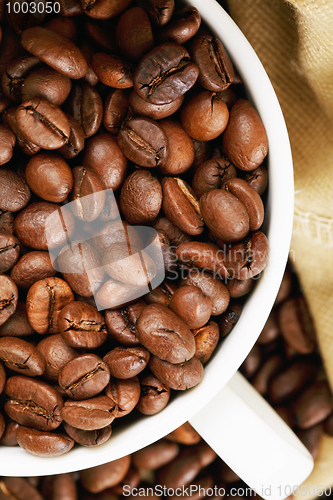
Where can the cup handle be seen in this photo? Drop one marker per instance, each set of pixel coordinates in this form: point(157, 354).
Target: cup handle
point(245, 431)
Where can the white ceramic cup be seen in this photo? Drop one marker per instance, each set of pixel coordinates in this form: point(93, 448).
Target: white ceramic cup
point(237, 423)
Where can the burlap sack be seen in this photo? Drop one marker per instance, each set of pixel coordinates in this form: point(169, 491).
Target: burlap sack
point(294, 40)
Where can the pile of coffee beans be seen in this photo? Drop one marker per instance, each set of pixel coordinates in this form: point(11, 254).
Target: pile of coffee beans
point(116, 116)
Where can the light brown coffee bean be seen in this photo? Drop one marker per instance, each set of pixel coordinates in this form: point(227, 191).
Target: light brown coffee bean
point(125, 393)
point(314, 405)
point(206, 340)
point(210, 286)
point(185, 434)
point(177, 376)
point(154, 396)
point(181, 149)
point(97, 479)
point(47, 83)
point(14, 191)
point(191, 305)
point(155, 455)
point(33, 266)
point(250, 199)
point(126, 362)
point(56, 354)
point(8, 297)
point(89, 414)
point(21, 356)
point(43, 444)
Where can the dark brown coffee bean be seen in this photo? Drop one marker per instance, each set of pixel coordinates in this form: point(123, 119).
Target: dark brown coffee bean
point(286, 415)
point(7, 222)
point(55, 50)
point(177, 376)
point(191, 305)
point(75, 142)
point(160, 11)
point(157, 244)
point(9, 251)
point(164, 334)
point(265, 374)
point(115, 110)
point(18, 488)
point(22, 20)
point(125, 393)
point(88, 50)
point(258, 179)
point(180, 147)
point(161, 294)
point(14, 191)
point(60, 486)
point(14, 75)
point(56, 353)
point(103, 155)
point(296, 325)
point(43, 123)
point(114, 294)
point(47, 83)
point(164, 74)
point(112, 70)
point(9, 436)
point(212, 174)
point(89, 414)
point(70, 8)
point(239, 288)
point(82, 326)
point(2, 425)
point(252, 362)
point(45, 299)
point(2, 377)
point(64, 26)
point(49, 176)
point(185, 434)
point(270, 332)
point(184, 24)
point(8, 297)
point(97, 479)
point(43, 444)
point(32, 267)
point(249, 257)
point(126, 362)
point(312, 438)
point(141, 107)
point(134, 35)
point(121, 323)
point(216, 72)
point(206, 340)
point(86, 107)
point(285, 287)
point(155, 455)
point(84, 377)
point(244, 140)
point(210, 286)
point(203, 256)
point(250, 199)
point(81, 267)
point(28, 147)
point(174, 234)
point(229, 319)
point(144, 142)
point(291, 380)
point(88, 195)
point(131, 480)
point(33, 403)
point(88, 438)
point(21, 356)
point(205, 116)
point(141, 197)
point(314, 405)
point(7, 141)
point(154, 397)
point(181, 206)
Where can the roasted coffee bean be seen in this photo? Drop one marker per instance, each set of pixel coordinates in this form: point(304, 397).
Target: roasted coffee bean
point(75, 142)
point(249, 257)
point(55, 50)
point(296, 325)
point(210, 286)
point(228, 320)
point(216, 71)
point(115, 110)
point(205, 116)
point(28, 147)
point(21, 356)
point(141, 107)
point(144, 142)
point(174, 234)
point(141, 197)
point(89, 414)
point(43, 444)
point(125, 393)
point(204, 256)
point(21, 20)
point(17, 325)
point(103, 155)
point(252, 362)
point(33, 403)
point(116, 231)
point(82, 326)
point(114, 294)
point(33, 266)
point(14, 191)
point(177, 376)
point(18, 488)
point(160, 11)
point(181, 206)
point(312, 438)
point(49, 176)
point(184, 24)
point(265, 374)
point(64, 26)
point(291, 380)
point(314, 405)
point(126, 362)
point(9, 436)
point(134, 35)
point(60, 486)
point(161, 294)
point(206, 340)
point(239, 288)
point(191, 305)
point(46, 83)
point(86, 107)
point(7, 222)
point(185, 434)
point(2, 377)
point(121, 323)
point(244, 140)
point(270, 332)
point(112, 70)
point(9, 251)
point(131, 480)
point(56, 353)
point(84, 377)
point(164, 334)
point(164, 74)
point(212, 174)
point(97, 479)
point(8, 297)
point(8, 140)
point(88, 195)
point(88, 50)
point(154, 397)
point(45, 299)
point(14, 75)
point(155, 455)
point(180, 147)
point(258, 179)
point(43, 123)
point(91, 437)
point(250, 199)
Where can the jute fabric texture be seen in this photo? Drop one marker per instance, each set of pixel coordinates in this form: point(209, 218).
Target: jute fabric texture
point(294, 41)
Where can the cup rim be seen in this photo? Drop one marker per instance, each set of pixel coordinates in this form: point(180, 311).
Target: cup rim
point(233, 350)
